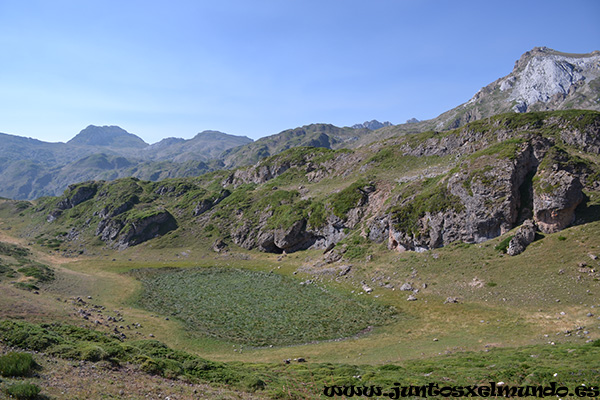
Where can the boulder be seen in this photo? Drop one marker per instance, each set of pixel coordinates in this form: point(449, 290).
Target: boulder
point(219, 246)
point(522, 238)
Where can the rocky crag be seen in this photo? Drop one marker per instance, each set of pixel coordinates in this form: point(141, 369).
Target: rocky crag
point(542, 79)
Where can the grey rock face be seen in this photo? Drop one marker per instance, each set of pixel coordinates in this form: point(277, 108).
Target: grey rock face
point(108, 229)
point(587, 139)
point(486, 201)
point(122, 231)
point(258, 174)
point(523, 237)
point(219, 246)
point(146, 228)
point(556, 196)
point(114, 210)
point(77, 194)
point(542, 79)
point(372, 125)
point(206, 204)
point(379, 229)
point(202, 207)
point(546, 76)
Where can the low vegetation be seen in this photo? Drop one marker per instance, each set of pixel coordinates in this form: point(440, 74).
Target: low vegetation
point(256, 308)
point(23, 391)
point(16, 364)
point(432, 196)
point(16, 264)
point(568, 364)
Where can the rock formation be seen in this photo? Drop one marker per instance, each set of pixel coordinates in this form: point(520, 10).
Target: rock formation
point(522, 238)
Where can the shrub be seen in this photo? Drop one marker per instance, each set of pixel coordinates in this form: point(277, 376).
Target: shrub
point(38, 271)
point(93, 352)
point(16, 364)
point(503, 245)
point(27, 336)
point(23, 391)
point(64, 351)
point(254, 383)
point(26, 286)
point(151, 366)
point(350, 197)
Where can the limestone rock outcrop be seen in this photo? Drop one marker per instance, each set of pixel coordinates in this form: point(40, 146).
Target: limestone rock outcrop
point(556, 195)
point(126, 232)
point(522, 238)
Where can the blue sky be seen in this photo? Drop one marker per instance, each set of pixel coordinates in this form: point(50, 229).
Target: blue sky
point(255, 68)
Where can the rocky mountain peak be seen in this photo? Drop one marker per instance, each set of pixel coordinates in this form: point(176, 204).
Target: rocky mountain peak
point(372, 125)
point(107, 136)
point(543, 75)
point(542, 79)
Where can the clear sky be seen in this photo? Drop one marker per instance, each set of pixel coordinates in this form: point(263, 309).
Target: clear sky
point(255, 68)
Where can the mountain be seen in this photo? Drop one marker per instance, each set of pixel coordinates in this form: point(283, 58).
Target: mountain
point(204, 146)
point(542, 79)
point(475, 250)
point(315, 135)
point(372, 125)
point(109, 136)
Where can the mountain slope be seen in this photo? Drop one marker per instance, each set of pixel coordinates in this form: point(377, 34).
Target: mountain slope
point(416, 192)
point(542, 79)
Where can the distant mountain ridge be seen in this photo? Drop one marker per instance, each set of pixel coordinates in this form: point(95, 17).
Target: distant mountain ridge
point(315, 135)
point(31, 168)
point(206, 145)
point(542, 79)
